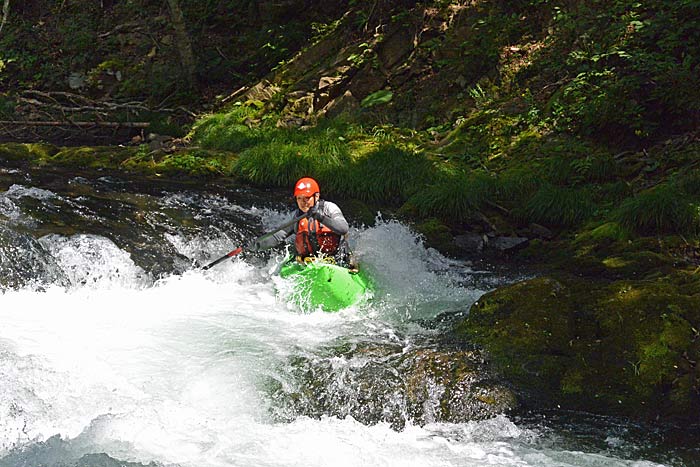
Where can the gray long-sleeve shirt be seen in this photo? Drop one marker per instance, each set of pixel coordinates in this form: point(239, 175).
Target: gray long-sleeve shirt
point(331, 216)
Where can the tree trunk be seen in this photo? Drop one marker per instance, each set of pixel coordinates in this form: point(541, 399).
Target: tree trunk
point(183, 43)
point(5, 13)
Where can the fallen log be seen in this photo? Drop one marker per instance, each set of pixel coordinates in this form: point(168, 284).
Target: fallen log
point(78, 124)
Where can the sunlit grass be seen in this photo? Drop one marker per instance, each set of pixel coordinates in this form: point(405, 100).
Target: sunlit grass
point(457, 197)
point(387, 173)
point(228, 131)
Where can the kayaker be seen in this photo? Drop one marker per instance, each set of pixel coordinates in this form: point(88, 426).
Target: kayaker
point(321, 233)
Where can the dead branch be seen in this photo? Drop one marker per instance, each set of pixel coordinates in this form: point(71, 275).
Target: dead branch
point(234, 94)
point(76, 123)
point(5, 13)
point(83, 104)
point(119, 29)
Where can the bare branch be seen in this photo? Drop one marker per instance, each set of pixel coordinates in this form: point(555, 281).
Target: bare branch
point(78, 124)
point(5, 13)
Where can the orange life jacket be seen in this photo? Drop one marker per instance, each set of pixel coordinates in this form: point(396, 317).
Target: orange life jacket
point(313, 237)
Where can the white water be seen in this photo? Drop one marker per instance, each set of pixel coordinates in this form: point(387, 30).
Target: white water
point(171, 372)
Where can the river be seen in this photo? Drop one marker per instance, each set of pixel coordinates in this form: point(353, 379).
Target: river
point(115, 349)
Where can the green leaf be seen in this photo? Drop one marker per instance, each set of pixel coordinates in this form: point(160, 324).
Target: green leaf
point(376, 98)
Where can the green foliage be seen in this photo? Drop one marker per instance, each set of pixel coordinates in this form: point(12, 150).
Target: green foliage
point(662, 209)
point(7, 107)
point(614, 192)
point(228, 131)
point(279, 163)
point(387, 174)
point(478, 137)
point(193, 164)
point(382, 96)
point(558, 206)
point(689, 183)
point(630, 66)
point(583, 170)
point(457, 197)
point(516, 185)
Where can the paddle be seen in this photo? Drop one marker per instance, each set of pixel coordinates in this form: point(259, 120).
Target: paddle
point(238, 250)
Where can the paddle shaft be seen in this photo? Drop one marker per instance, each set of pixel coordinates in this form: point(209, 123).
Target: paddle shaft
point(238, 250)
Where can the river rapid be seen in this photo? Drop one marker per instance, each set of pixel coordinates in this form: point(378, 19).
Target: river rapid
point(116, 349)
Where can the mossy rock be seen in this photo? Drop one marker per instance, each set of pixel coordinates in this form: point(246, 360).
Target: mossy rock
point(626, 347)
point(27, 152)
point(438, 235)
point(99, 157)
point(358, 212)
point(527, 328)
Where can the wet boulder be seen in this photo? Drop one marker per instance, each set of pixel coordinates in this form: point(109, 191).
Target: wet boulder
point(24, 262)
point(383, 383)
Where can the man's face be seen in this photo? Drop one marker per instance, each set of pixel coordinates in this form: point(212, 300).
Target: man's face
point(305, 202)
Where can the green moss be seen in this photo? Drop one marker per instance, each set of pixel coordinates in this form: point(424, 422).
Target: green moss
point(196, 164)
point(27, 152)
point(437, 235)
point(92, 157)
point(523, 339)
point(628, 347)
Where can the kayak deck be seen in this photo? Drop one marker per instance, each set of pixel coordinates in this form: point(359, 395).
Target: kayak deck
point(325, 285)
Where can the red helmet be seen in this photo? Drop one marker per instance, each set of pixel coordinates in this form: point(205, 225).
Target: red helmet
point(306, 187)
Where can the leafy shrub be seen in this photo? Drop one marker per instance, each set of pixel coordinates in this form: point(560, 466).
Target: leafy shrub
point(633, 78)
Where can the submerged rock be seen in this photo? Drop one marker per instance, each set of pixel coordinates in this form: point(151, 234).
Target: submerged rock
point(383, 383)
point(24, 262)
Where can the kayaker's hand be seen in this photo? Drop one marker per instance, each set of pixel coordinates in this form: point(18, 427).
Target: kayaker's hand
point(316, 211)
point(253, 246)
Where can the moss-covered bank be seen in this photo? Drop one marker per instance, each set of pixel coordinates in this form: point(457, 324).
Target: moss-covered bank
point(135, 160)
point(629, 347)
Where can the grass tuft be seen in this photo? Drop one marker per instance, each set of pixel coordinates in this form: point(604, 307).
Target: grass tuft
point(515, 186)
point(229, 131)
point(388, 174)
point(458, 197)
point(662, 209)
point(559, 206)
point(276, 163)
point(689, 183)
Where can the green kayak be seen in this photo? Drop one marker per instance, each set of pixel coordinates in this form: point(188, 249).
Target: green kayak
point(320, 284)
